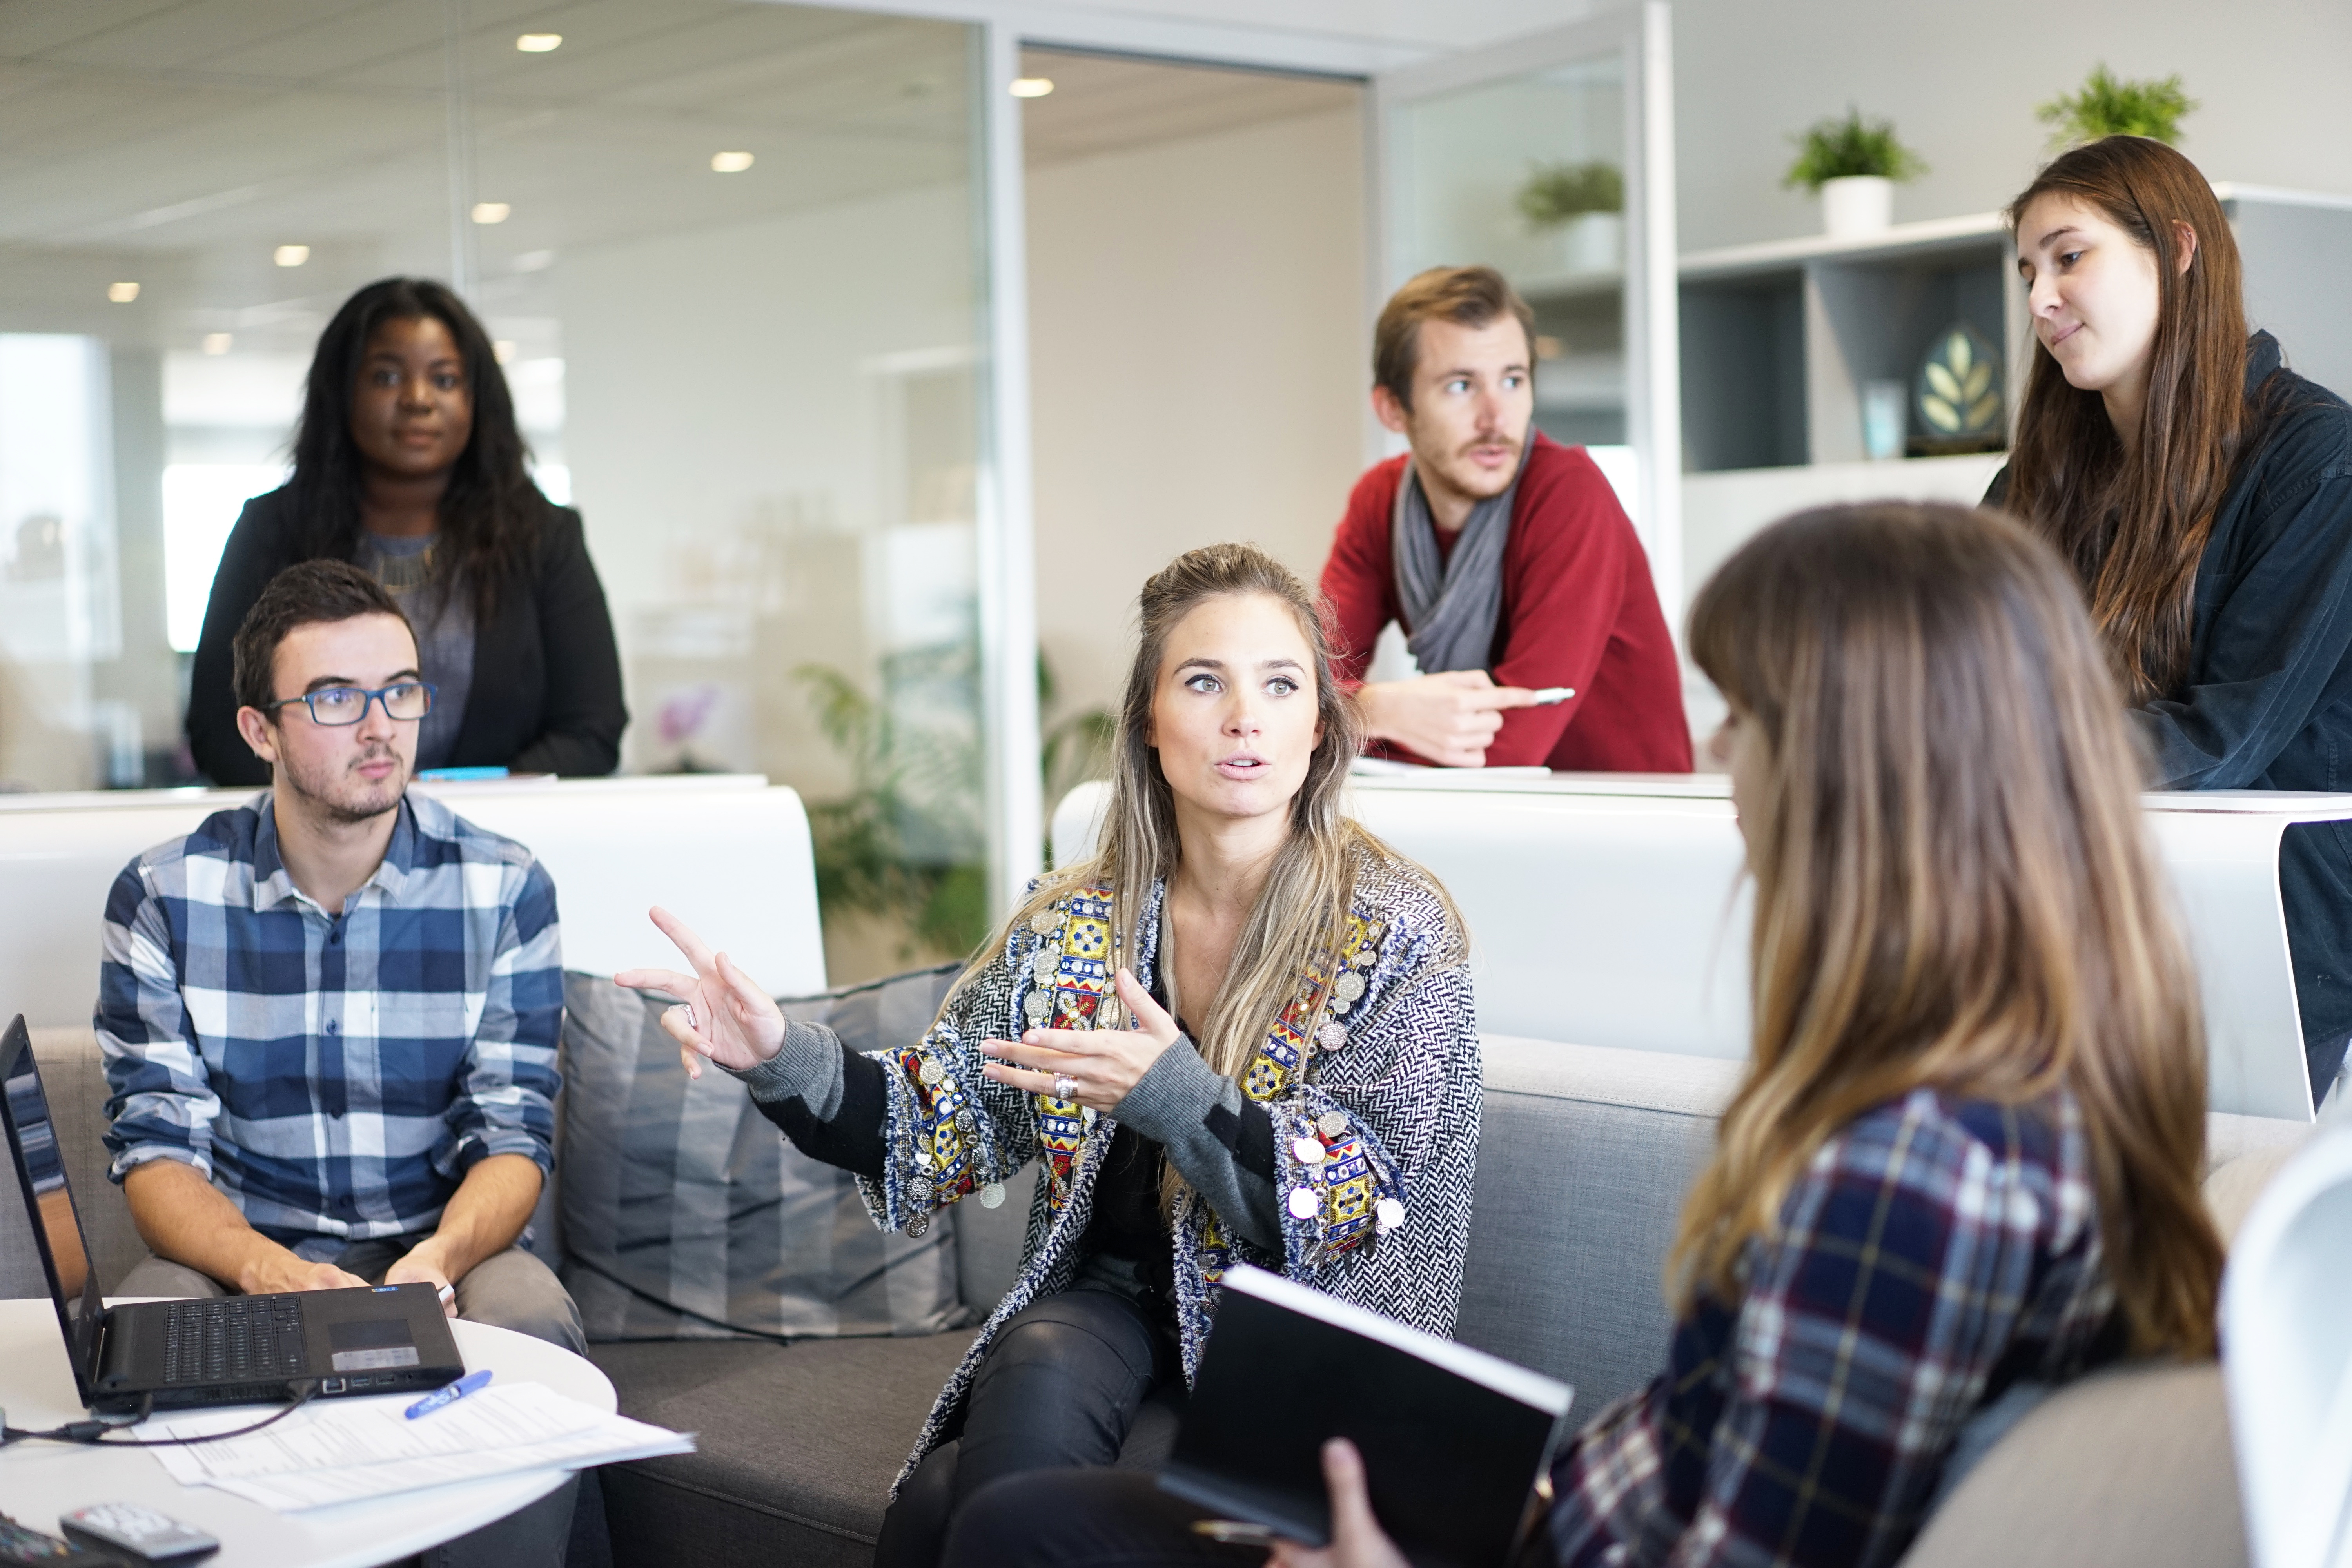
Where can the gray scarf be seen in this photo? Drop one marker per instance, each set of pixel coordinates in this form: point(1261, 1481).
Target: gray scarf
point(1452, 608)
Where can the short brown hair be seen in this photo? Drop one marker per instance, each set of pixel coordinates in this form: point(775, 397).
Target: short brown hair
point(1470, 297)
point(303, 595)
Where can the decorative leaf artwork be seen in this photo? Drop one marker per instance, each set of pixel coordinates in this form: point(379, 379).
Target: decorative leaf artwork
point(1956, 390)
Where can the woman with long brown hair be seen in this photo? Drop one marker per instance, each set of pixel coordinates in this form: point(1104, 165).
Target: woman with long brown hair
point(2202, 493)
point(1240, 1031)
point(1963, 1161)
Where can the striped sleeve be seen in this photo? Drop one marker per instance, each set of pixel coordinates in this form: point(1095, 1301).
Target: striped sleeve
point(161, 1104)
point(506, 1105)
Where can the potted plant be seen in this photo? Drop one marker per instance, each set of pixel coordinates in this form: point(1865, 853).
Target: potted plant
point(2105, 106)
point(1585, 205)
point(1853, 165)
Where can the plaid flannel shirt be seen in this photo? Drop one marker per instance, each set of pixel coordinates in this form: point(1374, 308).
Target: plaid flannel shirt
point(1935, 1251)
point(335, 1075)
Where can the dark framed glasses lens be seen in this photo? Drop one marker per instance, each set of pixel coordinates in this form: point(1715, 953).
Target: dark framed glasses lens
point(412, 700)
point(339, 705)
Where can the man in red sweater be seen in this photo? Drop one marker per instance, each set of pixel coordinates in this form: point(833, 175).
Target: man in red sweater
point(1503, 556)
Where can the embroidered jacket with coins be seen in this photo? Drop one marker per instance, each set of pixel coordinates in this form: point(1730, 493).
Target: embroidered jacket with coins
point(1369, 1075)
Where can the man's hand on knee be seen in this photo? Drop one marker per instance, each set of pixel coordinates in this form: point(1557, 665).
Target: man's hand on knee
point(425, 1265)
point(297, 1275)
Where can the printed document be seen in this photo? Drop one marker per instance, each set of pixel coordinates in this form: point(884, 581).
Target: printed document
point(351, 1449)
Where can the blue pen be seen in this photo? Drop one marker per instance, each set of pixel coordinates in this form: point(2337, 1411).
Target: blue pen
point(472, 1383)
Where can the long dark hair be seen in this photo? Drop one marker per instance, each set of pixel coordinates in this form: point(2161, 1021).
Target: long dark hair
point(1954, 885)
point(2134, 529)
point(490, 513)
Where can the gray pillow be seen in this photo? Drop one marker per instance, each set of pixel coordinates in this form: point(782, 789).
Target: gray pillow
point(687, 1214)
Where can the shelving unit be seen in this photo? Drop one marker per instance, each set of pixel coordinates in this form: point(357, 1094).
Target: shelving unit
point(1580, 392)
point(1777, 339)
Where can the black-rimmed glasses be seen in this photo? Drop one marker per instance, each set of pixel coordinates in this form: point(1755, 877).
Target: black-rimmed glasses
point(406, 700)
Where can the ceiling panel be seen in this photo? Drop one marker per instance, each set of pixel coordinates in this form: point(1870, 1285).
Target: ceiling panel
point(181, 37)
point(1103, 105)
point(29, 26)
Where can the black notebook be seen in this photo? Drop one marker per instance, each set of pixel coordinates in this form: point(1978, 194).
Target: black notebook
point(1453, 1439)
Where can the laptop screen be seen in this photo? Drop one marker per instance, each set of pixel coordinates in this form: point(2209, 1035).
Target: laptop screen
point(41, 1169)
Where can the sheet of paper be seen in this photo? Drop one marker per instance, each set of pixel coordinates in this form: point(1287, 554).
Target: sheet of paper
point(342, 1451)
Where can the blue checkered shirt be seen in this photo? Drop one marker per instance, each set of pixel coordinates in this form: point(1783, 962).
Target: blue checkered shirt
point(335, 1075)
point(1935, 1251)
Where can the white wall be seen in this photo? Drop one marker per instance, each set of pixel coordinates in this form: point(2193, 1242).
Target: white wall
point(1199, 365)
point(1961, 83)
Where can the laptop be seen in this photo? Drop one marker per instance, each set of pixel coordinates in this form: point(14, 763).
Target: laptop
point(235, 1349)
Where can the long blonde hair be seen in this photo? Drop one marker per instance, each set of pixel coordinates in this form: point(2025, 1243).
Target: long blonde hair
point(1303, 909)
point(1953, 883)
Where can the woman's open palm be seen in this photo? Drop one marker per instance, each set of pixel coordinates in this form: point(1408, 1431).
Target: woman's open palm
point(726, 1016)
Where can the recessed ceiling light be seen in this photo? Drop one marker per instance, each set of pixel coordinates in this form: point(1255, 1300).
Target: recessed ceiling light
point(1032, 86)
point(534, 261)
point(217, 342)
point(539, 43)
point(122, 293)
point(730, 162)
point(504, 348)
point(291, 255)
point(492, 212)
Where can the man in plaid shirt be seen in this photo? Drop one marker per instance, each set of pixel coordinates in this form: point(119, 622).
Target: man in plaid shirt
point(330, 1017)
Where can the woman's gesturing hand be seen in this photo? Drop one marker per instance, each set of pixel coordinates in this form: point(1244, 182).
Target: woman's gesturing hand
point(725, 1016)
point(1357, 1538)
point(1099, 1065)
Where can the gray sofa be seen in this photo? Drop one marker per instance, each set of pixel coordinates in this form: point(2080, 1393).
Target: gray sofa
point(1585, 1155)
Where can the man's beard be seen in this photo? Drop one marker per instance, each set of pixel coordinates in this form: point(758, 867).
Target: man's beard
point(339, 794)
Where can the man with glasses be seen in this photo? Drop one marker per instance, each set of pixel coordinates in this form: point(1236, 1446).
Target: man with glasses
point(329, 1016)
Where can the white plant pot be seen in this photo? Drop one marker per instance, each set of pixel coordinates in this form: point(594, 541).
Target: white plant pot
point(1857, 205)
point(1592, 242)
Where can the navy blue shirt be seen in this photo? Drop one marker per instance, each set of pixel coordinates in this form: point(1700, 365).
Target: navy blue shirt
point(2267, 703)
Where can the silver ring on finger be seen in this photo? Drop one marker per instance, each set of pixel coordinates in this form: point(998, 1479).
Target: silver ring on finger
point(1065, 1086)
point(691, 1022)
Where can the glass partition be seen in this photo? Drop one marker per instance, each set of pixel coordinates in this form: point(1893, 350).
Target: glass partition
point(730, 254)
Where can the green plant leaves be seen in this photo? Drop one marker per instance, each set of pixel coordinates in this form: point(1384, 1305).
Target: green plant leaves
point(1837, 149)
point(2106, 105)
point(1557, 193)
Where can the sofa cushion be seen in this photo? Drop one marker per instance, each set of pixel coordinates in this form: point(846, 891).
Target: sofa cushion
point(797, 1447)
point(1584, 1155)
point(687, 1214)
point(2130, 1464)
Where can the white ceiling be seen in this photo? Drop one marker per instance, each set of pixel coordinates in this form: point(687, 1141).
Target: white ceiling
point(1103, 105)
point(178, 142)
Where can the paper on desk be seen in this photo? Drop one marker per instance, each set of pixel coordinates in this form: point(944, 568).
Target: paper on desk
point(344, 1452)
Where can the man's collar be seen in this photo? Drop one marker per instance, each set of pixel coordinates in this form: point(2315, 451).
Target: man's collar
point(273, 884)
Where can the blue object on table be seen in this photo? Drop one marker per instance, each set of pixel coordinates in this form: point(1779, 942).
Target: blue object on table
point(472, 1383)
point(459, 775)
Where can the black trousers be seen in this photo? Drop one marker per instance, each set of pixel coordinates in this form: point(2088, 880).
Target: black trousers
point(1063, 1388)
point(1074, 1518)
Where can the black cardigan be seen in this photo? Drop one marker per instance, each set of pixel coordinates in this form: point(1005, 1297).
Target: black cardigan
point(2267, 703)
point(546, 694)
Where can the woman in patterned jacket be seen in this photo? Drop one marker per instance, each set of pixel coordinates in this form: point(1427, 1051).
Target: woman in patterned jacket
point(1240, 1032)
point(1963, 1166)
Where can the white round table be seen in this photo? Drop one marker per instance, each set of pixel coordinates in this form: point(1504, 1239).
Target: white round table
point(39, 1481)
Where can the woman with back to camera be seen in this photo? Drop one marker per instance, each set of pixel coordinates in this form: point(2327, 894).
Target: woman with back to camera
point(1241, 1031)
point(2202, 493)
point(1963, 1162)
point(408, 462)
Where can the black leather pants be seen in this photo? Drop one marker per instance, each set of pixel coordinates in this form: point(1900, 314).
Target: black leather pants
point(1061, 1388)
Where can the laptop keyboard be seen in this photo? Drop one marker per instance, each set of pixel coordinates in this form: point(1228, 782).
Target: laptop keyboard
point(232, 1339)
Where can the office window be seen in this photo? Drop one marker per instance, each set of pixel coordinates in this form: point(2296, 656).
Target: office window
point(731, 254)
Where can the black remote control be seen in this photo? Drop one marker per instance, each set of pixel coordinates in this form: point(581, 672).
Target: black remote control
point(140, 1535)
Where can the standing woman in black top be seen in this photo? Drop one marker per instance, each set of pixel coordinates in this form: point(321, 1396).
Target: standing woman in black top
point(408, 463)
point(2202, 493)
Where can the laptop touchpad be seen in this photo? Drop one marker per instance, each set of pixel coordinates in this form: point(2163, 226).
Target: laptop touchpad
point(371, 1343)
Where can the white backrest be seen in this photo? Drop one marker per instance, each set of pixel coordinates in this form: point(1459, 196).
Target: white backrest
point(2286, 1355)
point(728, 853)
point(1609, 910)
